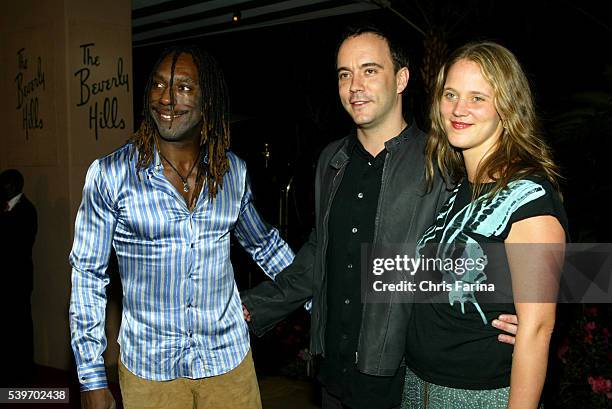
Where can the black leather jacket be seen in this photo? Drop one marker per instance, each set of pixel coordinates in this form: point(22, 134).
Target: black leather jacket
point(404, 212)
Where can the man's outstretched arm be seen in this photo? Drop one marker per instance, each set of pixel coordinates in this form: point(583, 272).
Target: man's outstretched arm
point(271, 301)
point(91, 249)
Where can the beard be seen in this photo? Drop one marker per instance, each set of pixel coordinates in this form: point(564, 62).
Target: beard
point(183, 126)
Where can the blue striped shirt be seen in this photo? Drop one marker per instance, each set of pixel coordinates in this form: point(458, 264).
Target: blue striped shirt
point(182, 315)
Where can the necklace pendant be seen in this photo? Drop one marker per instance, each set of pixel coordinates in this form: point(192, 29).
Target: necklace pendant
point(185, 187)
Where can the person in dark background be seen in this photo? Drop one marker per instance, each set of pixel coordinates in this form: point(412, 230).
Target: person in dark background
point(369, 189)
point(18, 227)
point(167, 202)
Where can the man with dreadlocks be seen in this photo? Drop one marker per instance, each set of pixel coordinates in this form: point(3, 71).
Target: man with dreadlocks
point(166, 202)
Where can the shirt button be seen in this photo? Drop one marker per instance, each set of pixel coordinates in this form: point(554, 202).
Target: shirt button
point(349, 266)
point(347, 301)
point(344, 336)
point(343, 370)
point(189, 334)
point(354, 229)
point(360, 195)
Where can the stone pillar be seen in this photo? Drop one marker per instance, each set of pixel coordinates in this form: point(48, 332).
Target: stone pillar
point(67, 73)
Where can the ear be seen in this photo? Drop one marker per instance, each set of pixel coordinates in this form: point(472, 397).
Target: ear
point(401, 79)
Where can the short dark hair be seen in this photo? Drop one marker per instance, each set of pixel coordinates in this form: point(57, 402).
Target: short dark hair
point(12, 178)
point(398, 56)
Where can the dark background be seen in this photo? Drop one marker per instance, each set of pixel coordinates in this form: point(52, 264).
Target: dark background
point(284, 94)
point(284, 91)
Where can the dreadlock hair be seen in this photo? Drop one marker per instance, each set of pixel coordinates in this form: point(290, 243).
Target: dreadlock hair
point(215, 134)
point(520, 151)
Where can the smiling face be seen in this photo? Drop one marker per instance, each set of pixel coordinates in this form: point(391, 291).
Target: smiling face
point(468, 110)
point(181, 121)
point(369, 88)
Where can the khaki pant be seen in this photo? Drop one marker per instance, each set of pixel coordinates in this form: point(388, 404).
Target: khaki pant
point(236, 389)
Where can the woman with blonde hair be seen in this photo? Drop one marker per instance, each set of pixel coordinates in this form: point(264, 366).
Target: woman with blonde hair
point(484, 139)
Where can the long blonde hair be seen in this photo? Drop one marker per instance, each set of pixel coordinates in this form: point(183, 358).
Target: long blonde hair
point(520, 150)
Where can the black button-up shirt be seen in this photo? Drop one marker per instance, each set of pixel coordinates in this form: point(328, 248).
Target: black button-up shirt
point(351, 223)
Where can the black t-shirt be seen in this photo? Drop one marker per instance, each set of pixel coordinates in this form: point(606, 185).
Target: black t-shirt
point(455, 345)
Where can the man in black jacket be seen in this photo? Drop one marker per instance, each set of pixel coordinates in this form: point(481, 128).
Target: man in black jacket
point(18, 226)
point(369, 188)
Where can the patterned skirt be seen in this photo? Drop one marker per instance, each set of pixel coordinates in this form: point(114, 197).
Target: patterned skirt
point(419, 394)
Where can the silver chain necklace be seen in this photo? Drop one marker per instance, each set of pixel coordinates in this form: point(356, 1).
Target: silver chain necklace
point(186, 186)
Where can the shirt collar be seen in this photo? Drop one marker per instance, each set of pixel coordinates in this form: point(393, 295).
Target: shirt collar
point(391, 144)
point(405, 135)
point(156, 164)
point(356, 148)
point(13, 202)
